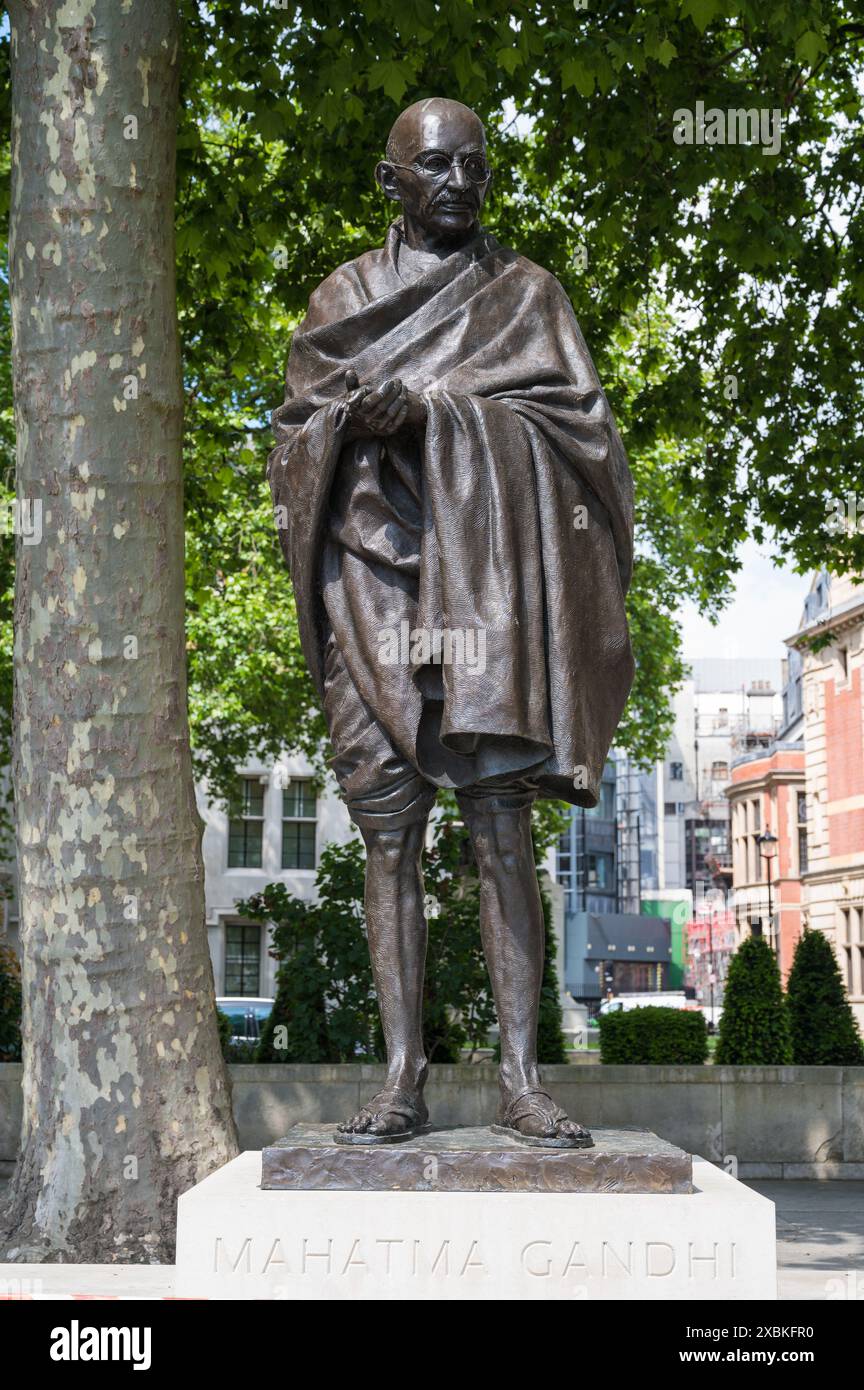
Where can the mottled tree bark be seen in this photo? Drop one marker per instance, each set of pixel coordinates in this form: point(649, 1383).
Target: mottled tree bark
point(126, 1101)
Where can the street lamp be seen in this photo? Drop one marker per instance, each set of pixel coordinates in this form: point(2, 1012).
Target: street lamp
point(768, 848)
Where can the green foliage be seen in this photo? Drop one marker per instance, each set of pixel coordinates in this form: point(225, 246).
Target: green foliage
point(551, 1043)
point(703, 263)
point(655, 1036)
point(754, 1027)
point(10, 1006)
point(325, 1003)
point(225, 1027)
point(548, 822)
point(458, 1011)
point(325, 1008)
point(689, 265)
point(824, 1031)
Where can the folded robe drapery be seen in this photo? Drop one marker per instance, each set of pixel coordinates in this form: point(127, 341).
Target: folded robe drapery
point(512, 516)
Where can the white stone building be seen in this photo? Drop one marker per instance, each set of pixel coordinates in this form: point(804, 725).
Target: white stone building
point(283, 825)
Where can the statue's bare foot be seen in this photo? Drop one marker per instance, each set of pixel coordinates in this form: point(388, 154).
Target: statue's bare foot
point(533, 1117)
point(391, 1115)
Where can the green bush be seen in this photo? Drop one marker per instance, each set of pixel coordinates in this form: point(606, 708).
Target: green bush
point(551, 1043)
point(754, 1028)
point(10, 1006)
point(226, 1030)
point(325, 1003)
point(655, 1035)
point(824, 1032)
point(296, 1029)
point(458, 1011)
point(223, 1023)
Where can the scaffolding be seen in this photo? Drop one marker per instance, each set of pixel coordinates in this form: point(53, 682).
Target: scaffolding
point(628, 835)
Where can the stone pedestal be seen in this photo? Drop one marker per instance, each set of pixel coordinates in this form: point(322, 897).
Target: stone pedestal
point(425, 1239)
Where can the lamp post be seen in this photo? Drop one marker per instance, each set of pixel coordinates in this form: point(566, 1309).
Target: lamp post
point(768, 848)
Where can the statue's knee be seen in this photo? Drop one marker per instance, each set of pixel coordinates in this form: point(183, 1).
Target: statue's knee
point(392, 851)
point(512, 861)
point(499, 840)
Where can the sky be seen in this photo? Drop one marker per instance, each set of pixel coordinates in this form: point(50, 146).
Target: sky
point(765, 608)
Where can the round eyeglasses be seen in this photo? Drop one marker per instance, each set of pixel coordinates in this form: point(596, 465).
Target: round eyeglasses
point(440, 166)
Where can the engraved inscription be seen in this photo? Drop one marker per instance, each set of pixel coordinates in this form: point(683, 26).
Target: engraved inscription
point(574, 1261)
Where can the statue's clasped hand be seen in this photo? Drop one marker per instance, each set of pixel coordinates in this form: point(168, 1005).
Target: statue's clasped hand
point(379, 411)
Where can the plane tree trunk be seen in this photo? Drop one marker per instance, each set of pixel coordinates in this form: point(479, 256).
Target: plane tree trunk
point(126, 1099)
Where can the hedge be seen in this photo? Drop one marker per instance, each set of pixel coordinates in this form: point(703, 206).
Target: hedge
point(657, 1036)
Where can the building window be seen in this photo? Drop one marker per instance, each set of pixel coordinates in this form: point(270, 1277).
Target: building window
point(852, 948)
point(755, 861)
point(720, 772)
point(756, 815)
point(803, 861)
point(605, 808)
point(600, 870)
point(242, 959)
point(669, 808)
point(564, 873)
point(246, 825)
point(676, 772)
point(299, 824)
point(708, 850)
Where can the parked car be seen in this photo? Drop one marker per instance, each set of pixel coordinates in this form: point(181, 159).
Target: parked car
point(247, 1017)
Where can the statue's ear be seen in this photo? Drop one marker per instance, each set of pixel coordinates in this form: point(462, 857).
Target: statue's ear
point(385, 175)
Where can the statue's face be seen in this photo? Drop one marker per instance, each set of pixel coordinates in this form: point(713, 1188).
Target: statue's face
point(441, 176)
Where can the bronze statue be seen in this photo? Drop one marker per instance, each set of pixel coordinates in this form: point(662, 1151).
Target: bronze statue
point(455, 506)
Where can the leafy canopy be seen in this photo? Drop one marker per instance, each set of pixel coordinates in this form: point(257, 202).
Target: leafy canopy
point(719, 286)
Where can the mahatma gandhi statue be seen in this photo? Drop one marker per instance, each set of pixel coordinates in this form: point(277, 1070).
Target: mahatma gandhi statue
point(459, 530)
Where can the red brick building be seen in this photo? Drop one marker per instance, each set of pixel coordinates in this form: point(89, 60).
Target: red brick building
point(768, 797)
point(713, 937)
point(833, 878)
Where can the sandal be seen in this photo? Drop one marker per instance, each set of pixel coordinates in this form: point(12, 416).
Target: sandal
point(523, 1107)
point(387, 1102)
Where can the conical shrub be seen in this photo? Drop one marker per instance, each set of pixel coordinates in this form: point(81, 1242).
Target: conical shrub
point(824, 1031)
point(754, 1029)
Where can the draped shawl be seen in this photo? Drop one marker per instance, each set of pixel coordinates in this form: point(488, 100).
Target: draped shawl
point(511, 514)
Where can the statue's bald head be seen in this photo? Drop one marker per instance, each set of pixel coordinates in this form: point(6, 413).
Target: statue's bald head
point(436, 168)
point(436, 123)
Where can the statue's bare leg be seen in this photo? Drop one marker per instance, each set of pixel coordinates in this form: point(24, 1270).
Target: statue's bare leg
point(511, 925)
point(396, 926)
